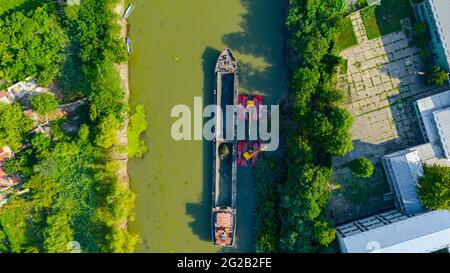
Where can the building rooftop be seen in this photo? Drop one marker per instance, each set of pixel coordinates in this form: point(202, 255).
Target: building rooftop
point(442, 121)
point(424, 233)
point(425, 109)
point(441, 10)
point(403, 170)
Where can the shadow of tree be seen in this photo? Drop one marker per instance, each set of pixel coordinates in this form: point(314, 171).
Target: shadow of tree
point(257, 40)
point(22, 7)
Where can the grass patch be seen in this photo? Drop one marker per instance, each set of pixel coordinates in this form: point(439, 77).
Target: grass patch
point(345, 34)
point(7, 5)
point(357, 197)
point(385, 18)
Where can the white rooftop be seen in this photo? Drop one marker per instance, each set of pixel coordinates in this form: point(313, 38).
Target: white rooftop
point(427, 107)
point(405, 169)
point(424, 233)
point(442, 120)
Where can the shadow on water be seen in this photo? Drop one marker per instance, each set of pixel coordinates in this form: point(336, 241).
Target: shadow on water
point(201, 212)
point(259, 38)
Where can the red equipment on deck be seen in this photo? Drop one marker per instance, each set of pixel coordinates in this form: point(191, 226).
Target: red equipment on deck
point(244, 148)
point(256, 147)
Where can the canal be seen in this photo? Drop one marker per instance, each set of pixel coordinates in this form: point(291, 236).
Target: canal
point(176, 44)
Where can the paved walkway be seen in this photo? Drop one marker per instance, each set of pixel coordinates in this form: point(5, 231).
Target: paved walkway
point(381, 84)
point(358, 27)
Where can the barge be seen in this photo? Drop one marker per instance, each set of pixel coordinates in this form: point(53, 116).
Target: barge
point(224, 178)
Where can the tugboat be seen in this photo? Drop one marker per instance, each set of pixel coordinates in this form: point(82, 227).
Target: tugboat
point(224, 177)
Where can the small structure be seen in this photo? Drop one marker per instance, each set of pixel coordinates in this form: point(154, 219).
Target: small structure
point(435, 14)
point(25, 88)
point(42, 119)
point(5, 98)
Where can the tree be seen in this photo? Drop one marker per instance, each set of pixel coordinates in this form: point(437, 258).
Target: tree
point(44, 104)
point(41, 145)
point(332, 131)
point(19, 165)
point(304, 84)
point(362, 167)
point(434, 187)
point(58, 233)
point(324, 232)
point(14, 126)
point(268, 176)
point(107, 132)
point(437, 76)
point(362, 3)
point(421, 35)
point(34, 47)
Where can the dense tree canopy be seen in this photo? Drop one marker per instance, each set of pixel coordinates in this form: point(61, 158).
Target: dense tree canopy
point(44, 104)
point(320, 130)
point(31, 44)
point(434, 187)
point(74, 193)
point(14, 125)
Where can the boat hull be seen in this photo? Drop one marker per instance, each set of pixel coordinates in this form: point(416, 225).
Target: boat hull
point(224, 157)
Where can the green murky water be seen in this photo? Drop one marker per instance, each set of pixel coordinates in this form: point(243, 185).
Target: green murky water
point(176, 44)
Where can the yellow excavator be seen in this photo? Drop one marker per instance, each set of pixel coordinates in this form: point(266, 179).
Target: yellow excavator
point(247, 155)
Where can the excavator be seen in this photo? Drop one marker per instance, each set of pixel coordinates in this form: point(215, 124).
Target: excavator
point(249, 155)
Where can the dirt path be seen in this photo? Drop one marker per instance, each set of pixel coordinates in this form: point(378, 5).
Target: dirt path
point(121, 155)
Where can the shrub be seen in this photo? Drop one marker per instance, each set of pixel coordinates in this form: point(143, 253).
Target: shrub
point(437, 76)
point(362, 167)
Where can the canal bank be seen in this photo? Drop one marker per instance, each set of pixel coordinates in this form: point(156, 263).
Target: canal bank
point(176, 44)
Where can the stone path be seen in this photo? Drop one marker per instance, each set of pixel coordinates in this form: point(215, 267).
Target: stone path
point(381, 84)
point(358, 27)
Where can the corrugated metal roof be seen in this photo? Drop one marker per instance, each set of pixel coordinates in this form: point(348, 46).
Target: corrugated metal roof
point(424, 233)
point(406, 170)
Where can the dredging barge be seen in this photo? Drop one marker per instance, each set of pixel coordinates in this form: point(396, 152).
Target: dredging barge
point(224, 178)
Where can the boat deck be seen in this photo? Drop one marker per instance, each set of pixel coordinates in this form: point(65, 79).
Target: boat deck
point(225, 167)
